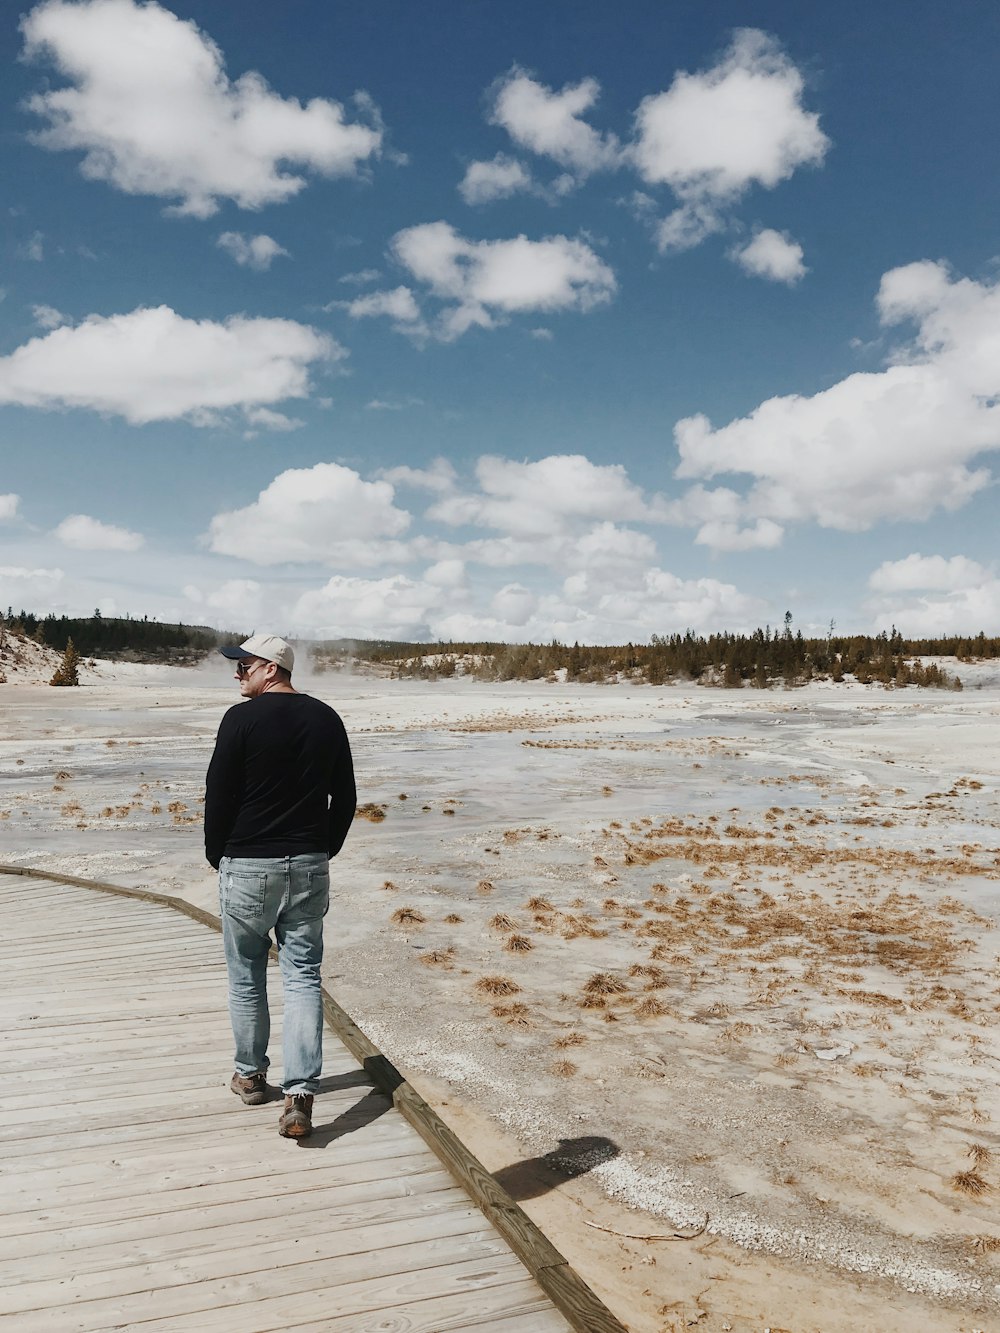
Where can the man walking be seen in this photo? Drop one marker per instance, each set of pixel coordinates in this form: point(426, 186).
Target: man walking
point(279, 801)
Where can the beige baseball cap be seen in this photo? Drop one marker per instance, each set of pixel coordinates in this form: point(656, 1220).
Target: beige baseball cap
point(267, 646)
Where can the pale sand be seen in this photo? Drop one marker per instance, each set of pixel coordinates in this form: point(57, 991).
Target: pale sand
point(808, 879)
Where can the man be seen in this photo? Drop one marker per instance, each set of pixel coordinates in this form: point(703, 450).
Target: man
point(279, 801)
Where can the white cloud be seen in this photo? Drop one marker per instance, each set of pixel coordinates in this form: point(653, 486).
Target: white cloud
point(361, 277)
point(773, 255)
point(48, 317)
point(399, 304)
point(325, 514)
point(235, 602)
point(485, 282)
point(150, 105)
point(514, 604)
point(84, 533)
point(396, 607)
point(551, 123)
point(29, 588)
point(256, 252)
point(154, 365)
point(8, 506)
point(439, 476)
point(934, 595)
point(448, 574)
point(497, 179)
point(267, 419)
point(543, 335)
point(713, 135)
point(554, 495)
point(34, 247)
point(900, 443)
point(929, 573)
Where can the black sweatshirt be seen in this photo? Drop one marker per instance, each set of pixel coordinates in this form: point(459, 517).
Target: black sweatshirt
point(281, 780)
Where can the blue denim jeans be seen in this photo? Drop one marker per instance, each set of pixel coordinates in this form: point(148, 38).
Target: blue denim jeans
point(289, 895)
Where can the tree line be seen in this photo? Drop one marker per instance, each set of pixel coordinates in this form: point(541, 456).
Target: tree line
point(121, 637)
point(730, 660)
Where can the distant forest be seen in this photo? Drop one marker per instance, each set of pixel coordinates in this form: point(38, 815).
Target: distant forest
point(726, 660)
point(121, 638)
point(769, 655)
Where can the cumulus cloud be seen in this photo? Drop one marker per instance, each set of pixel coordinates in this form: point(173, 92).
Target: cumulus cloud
point(48, 317)
point(24, 586)
point(396, 607)
point(539, 499)
point(772, 255)
point(497, 179)
point(84, 533)
point(155, 365)
point(483, 283)
point(400, 305)
point(256, 252)
point(900, 443)
point(325, 514)
point(149, 104)
point(233, 602)
point(551, 123)
point(439, 476)
point(8, 506)
point(935, 595)
point(714, 134)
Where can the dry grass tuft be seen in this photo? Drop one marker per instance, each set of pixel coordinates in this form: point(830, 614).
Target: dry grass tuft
point(437, 957)
point(518, 944)
point(650, 1007)
point(496, 985)
point(485, 886)
point(394, 888)
point(453, 919)
point(539, 905)
point(603, 983)
point(502, 922)
point(570, 1039)
point(985, 1244)
point(517, 1015)
point(593, 1002)
point(408, 916)
point(971, 1183)
point(372, 812)
point(564, 1068)
point(980, 1154)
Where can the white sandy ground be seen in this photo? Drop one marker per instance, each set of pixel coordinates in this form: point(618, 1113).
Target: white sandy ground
point(795, 890)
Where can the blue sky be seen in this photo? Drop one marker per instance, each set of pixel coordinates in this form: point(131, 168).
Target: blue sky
point(501, 321)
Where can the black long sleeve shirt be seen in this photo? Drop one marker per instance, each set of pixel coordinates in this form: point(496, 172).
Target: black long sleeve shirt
point(281, 780)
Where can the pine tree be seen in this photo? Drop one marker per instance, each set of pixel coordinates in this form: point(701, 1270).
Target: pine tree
point(67, 672)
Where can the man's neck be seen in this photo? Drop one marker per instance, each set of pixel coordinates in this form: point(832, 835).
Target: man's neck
point(278, 687)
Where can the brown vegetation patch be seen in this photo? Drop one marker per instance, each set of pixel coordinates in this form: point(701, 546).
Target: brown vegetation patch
point(502, 922)
point(408, 916)
point(497, 985)
point(971, 1183)
point(438, 957)
point(569, 1039)
point(517, 1015)
point(518, 944)
point(485, 886)
point(650, 1007)
point(539, 905)
point(564, 1068)
point(603, 983)
point(980, 1154)
point(370, 811)
point(453, 919)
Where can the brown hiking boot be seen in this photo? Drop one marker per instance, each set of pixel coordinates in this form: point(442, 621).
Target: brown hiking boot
point(253, 1089)
point(297, 1118)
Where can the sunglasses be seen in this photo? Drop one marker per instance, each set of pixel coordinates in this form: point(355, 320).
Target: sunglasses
point(243, 670)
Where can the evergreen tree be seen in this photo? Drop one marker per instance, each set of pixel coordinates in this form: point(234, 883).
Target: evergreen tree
point(67, 672)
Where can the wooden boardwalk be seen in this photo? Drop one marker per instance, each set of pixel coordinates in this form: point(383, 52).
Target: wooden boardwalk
point(136, 1192)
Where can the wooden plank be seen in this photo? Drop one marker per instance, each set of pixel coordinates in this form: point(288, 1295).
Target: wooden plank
point(412, 1268)
point(101, 1138)
point(260, 1204)
point(260, 1313)
point(202, 1165)
point(216, 1251)
point(518, 1306)
point(255, 1187)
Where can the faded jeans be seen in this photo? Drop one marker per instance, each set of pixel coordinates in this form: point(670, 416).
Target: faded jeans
point(289, 895)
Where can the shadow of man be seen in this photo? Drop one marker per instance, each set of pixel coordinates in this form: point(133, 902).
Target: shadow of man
point(537, 1175)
